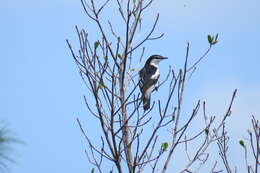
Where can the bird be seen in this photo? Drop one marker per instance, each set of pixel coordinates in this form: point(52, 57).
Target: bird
point(148, 78)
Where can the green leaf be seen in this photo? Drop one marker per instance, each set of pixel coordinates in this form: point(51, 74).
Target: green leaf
point(213, 39)
point(100, 85)
point(207, 131)
point(132, 69)
point(173, 117)
point(96, 44)
point(210, 39)
point(214, 42)
point(92, 170)
point(164, 146)
point(242, 143)
point(119, 56)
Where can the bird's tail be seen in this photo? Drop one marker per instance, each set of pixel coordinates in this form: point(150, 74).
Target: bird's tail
point(146, 102)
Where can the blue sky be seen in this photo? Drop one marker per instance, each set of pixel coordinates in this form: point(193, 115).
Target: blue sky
point(42, 94)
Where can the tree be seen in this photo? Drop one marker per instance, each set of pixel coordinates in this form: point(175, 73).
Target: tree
point(130, 140)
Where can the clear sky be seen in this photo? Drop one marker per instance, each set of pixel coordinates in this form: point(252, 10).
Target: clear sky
point(41, 93)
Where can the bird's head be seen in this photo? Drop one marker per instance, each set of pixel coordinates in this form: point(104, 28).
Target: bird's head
point(155, 59)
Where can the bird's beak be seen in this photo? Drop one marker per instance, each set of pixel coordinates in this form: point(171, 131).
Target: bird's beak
point(163, 57)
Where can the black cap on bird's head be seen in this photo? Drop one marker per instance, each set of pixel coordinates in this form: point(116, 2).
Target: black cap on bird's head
point(155, 59)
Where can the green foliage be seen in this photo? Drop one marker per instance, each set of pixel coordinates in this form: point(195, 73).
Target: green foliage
point(212, 39)
point(92, 170)
point(207, 131)
point(242, 143)
point(165, 146)
point(119, 56)
point(100, 85)
point(96, 44)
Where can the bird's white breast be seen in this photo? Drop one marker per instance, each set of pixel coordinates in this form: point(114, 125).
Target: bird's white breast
point(156, 75)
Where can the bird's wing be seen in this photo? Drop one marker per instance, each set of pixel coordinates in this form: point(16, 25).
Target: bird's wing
point(145, 78)
point(142, 77)
point(149, 85)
